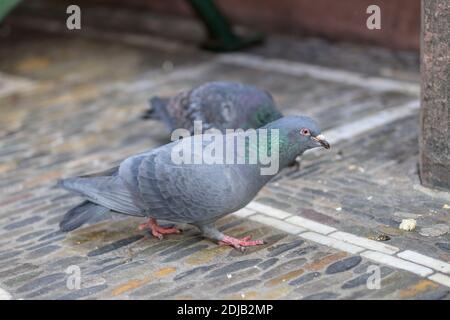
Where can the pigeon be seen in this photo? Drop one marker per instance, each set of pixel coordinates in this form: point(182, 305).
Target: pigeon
point(157, 186)
point(221, 105)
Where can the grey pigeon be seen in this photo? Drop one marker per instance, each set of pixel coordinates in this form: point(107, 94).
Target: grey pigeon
point(220, 105)
point(153, 185)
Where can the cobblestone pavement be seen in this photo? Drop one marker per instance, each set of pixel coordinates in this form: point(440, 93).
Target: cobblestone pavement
point(70, 104)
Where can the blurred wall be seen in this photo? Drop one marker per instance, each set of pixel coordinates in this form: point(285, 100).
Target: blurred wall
point(334, 19)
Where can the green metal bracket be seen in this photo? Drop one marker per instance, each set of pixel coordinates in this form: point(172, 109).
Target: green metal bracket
point(6, 6)
point(221, 36)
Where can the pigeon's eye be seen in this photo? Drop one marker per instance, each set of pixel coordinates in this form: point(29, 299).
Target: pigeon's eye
point(305, 132)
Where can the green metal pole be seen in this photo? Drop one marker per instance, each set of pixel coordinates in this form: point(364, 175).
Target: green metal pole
point(6, 6)
point(220, 31)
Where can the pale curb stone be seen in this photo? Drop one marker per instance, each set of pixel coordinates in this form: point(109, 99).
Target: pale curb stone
point(397, 263)
point(4, 295)
point(278, 224)
point(416, 257)
point(319, 72)
point(363, 242)
point(244, 213)
point(310, 225)
point(440, 278)
point(355, 128)
point(273, 212)
point(327, 241)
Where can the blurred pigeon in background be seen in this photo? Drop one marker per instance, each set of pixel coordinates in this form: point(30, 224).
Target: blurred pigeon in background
point(220, 105)
point(152, 185)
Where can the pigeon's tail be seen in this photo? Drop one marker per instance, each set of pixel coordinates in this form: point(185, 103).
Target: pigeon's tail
point(81, 214)
point(157, 109)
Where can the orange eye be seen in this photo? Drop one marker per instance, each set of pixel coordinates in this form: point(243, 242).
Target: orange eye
point(305, 132)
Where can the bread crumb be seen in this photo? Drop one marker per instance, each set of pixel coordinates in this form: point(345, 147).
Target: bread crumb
point(408, 224)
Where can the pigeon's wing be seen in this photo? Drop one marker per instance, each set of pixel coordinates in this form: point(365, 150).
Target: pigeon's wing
point(109, 172)
point(186, 193)
point(110, 192)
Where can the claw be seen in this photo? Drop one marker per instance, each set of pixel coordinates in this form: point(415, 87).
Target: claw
point(240, 244)
point(156, 230)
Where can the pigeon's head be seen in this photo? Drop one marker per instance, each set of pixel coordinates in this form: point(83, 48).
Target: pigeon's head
point(298, 134)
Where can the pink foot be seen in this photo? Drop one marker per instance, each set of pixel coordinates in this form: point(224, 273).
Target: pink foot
point(157, 231)
point(240, 243)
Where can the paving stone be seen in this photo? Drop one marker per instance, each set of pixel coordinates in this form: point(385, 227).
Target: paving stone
point(114, 246)
point(44, 291)
point(435, 230)
point(22, 278)
point(181, 245)
point(22, 223)
point(240, 286)
point(198, 270)
point(41, 252)
point(31, 235)
point(9, 254)
point(343, 265)
point(62, 264)
point(444, 246)
point(107, 268)
point(267, 264)
point(362, 279)
point(18, 269)
point(434, 295)
point(52, 235)
point(149, 289)
point(301, 251)
point(283, 278)
point(185, 252)
point(176, 291)
point(84, 292)
point(305, 278)
point(281, 248)
point(281, 268)
point(233, 267)
point(42, 244)
point(322, 296)
point(40, 282)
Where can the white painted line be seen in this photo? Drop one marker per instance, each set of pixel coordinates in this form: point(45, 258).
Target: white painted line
point(365, 243)
point(440, 278)
point(300, 69)
point(154, 78)
point(275, 223)
point(10, 84)
point(269, 211)
point(347, 242)
point(244, 213)
point(146, 40)
point(424, 260)
point(5, 295)
point(310, 225)
point(397, 263)
point(327, 241)
point(355, 128)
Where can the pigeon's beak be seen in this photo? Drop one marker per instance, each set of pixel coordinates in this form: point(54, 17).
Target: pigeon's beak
point(321, 139)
